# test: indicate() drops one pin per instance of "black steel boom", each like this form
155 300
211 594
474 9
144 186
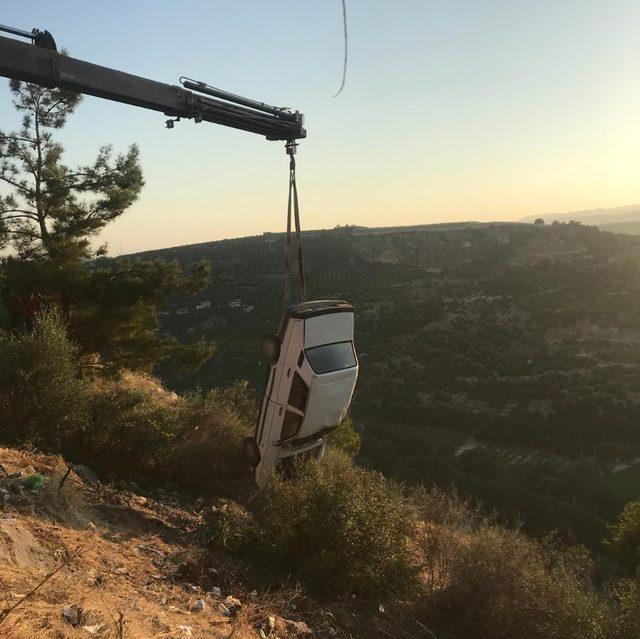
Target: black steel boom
47 67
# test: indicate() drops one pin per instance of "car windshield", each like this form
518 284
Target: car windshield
331 357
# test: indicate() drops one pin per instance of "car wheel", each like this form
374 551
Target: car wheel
251 451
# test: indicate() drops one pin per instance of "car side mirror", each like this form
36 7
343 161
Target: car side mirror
270 346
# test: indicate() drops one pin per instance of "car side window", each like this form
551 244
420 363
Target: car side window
299 393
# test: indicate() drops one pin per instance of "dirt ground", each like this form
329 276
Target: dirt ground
119 557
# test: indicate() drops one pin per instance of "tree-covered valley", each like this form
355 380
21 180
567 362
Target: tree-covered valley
501 359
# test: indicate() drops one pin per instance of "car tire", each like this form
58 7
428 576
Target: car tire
251 451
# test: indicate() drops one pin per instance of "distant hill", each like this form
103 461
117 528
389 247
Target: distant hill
621 219
501 358
630 228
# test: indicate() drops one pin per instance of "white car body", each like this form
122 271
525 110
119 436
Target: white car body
309 386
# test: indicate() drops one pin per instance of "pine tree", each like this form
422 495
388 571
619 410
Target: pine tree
52 210
50 215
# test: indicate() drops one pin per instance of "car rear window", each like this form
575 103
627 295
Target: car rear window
331 357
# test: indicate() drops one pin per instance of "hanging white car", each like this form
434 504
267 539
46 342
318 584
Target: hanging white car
310 382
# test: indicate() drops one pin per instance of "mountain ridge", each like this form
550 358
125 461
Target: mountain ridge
597 216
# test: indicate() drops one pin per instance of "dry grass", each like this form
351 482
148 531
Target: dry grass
137 381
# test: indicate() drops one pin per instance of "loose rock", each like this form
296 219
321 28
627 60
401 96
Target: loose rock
232 602
72 614
199 605
298 628
86 474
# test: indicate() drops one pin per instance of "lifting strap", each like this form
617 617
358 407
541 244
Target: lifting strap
293 199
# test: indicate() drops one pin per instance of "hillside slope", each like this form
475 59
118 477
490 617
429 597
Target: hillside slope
82 559
501 358
119 552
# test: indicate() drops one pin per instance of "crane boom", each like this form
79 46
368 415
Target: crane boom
40 63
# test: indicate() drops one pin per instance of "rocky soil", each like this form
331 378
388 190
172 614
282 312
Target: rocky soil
80 559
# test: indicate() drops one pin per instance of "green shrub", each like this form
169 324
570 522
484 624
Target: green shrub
41 396
139 430
627 596
624 541
503 585
207 454
238 398
339 528
492 582
131 431
232 528
345 438
442 523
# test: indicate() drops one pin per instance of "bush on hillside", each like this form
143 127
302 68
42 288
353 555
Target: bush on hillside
41 395
626 593
131 429
139 430
345 438
494 582
624 540
339 528
207 453
238 398
442 521
230 527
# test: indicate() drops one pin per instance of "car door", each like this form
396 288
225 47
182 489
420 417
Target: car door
295 407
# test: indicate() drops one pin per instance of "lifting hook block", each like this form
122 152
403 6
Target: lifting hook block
290 147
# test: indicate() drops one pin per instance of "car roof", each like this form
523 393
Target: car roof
319 307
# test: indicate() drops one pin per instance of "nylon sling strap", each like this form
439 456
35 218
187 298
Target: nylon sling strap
292 203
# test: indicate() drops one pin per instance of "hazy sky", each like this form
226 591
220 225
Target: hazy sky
452 110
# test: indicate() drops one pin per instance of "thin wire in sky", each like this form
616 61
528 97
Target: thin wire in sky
346 40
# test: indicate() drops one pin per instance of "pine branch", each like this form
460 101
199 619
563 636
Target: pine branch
17 138
19 214
24 233
26 158
15 185
53 106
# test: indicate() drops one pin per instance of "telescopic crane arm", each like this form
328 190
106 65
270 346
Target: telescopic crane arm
40 63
